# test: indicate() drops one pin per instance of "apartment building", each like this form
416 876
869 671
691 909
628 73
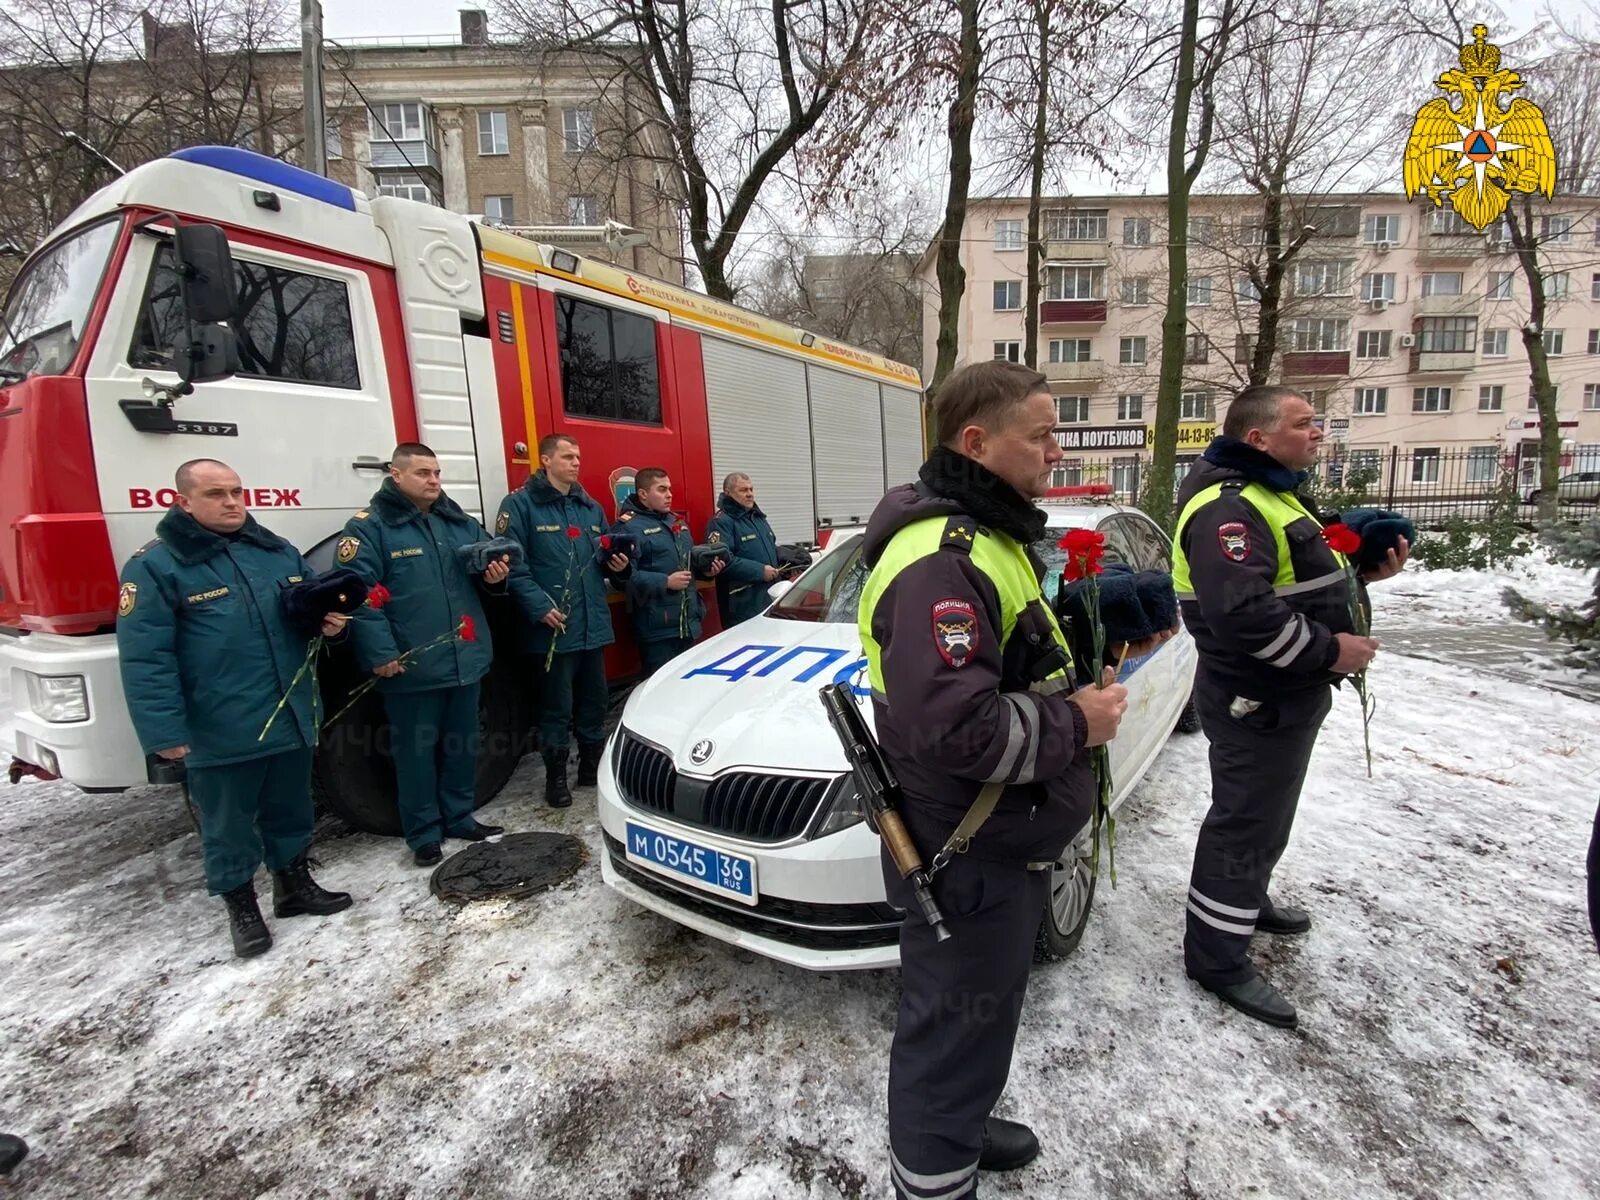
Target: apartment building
1402 324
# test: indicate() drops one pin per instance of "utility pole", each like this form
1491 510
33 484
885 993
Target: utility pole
315 156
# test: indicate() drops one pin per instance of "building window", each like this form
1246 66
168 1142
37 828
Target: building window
577 129
1008 235
1321 333
1377 286
1500 284
1136 291
1202 231
608 362
1591 397
1496 343
492 135
1072 410
1448 221
1070 350
1372 401
1131 408
1557 286
1132 351
1076 225
1533 397
1195 406
1008 352
1244 348
1372 343
1075 283
1200 290
583 210
1555 229
1441 283
1380 229
398 122
1252 232
1248 292
1483 464
1555 341
1326 278
1136 231
1448 335
406 187
1425 464
1196 348
1125 475
1594 286
1491 398
1594 341
1008 295
497 210
1430 400
333 142
1068 473
1366 462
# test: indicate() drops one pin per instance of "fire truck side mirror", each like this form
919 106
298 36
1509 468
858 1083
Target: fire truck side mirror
205 269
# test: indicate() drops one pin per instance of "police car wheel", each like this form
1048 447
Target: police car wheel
1066 914
1189 718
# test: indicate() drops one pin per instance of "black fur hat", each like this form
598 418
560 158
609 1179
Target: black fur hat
340 590
477 556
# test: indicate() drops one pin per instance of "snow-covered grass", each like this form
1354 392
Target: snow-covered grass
1459 598
571 1045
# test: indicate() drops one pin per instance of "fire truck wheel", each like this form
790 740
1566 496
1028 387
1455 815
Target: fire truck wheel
354 774
1071 895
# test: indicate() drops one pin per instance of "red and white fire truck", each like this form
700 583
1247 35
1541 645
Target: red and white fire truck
363 322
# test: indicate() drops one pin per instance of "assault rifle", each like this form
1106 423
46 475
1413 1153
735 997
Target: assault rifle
880 793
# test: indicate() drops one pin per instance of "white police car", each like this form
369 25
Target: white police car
725 800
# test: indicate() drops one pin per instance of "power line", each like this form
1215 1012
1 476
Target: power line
382 124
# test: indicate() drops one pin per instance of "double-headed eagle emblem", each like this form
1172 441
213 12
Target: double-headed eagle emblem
1476 145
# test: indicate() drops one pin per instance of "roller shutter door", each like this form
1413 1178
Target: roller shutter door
902 435
847 441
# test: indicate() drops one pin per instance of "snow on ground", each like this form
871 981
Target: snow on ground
1462 598
572 1045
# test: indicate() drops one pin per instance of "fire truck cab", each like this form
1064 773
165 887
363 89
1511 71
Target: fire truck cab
361 323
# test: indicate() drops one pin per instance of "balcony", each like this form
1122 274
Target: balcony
1450 247
1434 362
1449 306
1307 363
393 156
1074 371
1076 251
1072 312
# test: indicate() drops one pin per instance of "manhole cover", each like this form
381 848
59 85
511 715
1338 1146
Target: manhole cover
519 864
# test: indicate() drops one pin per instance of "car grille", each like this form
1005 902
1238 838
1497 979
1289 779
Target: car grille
812 926
748 805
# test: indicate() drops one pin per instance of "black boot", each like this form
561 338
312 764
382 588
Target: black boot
1257 998
556 792
589 763
296 894
1282 920
12 1151
1007 1145
250 934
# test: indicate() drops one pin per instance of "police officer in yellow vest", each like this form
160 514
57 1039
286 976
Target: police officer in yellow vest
1269 607
965 665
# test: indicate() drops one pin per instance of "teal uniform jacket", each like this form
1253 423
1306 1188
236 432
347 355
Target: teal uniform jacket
742 586
413 554
560 571
204 647
659 612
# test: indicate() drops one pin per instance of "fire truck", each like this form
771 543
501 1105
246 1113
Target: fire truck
354 324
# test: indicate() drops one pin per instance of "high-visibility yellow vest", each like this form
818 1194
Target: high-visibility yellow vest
1279 510
1000 558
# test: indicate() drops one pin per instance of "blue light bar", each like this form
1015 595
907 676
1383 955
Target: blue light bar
270 172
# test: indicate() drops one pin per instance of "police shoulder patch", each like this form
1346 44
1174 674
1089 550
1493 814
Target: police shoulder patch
502 522
959 533
347 548
361 515
127 598
1234 539
955 631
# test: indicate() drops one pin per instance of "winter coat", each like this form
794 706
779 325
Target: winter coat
204 647
742 585
659 612
560 571
413 554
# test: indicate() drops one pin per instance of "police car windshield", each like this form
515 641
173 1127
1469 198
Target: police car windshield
50 303
829 591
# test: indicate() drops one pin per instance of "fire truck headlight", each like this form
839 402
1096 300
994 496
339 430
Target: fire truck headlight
59 699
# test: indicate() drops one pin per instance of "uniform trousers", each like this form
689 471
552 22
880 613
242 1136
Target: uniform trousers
960 1004
655 655
1258 765
435 753
251 811
574 694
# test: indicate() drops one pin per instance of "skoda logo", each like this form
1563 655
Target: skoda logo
701 751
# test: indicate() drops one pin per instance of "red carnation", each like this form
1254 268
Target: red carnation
574 532
605 541
1085 548
378 596
1341 538
468 629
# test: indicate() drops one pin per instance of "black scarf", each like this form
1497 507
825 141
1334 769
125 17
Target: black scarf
982 494
1255 465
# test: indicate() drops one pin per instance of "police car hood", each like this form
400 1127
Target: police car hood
752 692
899 507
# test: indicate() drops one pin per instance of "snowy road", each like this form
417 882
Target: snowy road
574 1046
